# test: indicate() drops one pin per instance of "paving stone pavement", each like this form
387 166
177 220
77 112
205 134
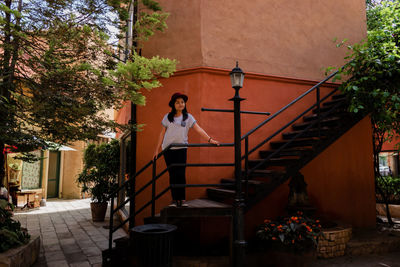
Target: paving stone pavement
68 236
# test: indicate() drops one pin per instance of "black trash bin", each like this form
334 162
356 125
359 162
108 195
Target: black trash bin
153 244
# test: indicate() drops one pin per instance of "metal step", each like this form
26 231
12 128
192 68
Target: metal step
270 174
339 96
301 142
272 162
329 122
325 131
313 117
198 208
334 102
220 195
297 151
323 109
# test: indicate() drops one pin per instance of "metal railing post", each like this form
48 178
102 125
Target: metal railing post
132 196
246 165
110 233
153 189
319 111
239 243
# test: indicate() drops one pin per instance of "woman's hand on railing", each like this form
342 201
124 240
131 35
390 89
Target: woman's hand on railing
214 142
155 154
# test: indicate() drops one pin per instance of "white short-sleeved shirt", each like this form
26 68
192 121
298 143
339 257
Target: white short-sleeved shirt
177 132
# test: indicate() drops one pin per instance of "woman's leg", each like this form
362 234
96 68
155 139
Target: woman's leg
169 157
181 156
176 174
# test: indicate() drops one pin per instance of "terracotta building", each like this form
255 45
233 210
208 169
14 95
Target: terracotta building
284 48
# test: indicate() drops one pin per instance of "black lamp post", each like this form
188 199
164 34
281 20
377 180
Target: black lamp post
238 246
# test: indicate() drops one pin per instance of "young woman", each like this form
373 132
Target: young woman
176 125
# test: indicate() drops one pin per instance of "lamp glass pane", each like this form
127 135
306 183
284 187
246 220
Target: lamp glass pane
236 80
241 79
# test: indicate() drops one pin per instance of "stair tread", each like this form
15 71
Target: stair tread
200 207
201 203
330 119
323 109
273 159
252 182
334 101
287 152
266 173
227 191
324 128
315 116
299 140
337 96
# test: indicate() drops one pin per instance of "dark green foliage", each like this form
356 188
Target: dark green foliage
11 233
373 71
100 171
391 188
59 71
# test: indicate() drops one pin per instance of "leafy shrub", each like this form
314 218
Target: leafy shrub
11 233
294 232
100 171
391 187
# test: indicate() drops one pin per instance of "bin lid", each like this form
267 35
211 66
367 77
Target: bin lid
155 228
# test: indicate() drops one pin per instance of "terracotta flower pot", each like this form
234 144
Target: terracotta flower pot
98 211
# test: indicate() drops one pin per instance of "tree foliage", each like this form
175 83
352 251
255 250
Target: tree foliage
373 71
59 71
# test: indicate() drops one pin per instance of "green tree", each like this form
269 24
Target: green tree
58 70
373 68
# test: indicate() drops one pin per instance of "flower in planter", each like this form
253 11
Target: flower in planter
294 232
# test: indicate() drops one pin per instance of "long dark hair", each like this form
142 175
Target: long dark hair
173 112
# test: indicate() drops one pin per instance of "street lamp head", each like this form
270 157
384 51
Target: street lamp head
237 77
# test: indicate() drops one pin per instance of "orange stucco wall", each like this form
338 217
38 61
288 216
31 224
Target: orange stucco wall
211 88
283 38
392 145
272 40
340 183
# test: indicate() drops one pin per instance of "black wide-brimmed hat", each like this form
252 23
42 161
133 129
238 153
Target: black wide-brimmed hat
175 96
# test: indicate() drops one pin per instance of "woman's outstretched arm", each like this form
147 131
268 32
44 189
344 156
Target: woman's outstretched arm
160 139
203 134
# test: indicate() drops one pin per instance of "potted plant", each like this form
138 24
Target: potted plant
99 175
289 241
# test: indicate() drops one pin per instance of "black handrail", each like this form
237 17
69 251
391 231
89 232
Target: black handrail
152 182
288 105
247 173
277 151
286 125
113 194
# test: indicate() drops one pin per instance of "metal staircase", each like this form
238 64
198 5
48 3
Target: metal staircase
302 139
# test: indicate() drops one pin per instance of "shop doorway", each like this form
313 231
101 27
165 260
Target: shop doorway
53 179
